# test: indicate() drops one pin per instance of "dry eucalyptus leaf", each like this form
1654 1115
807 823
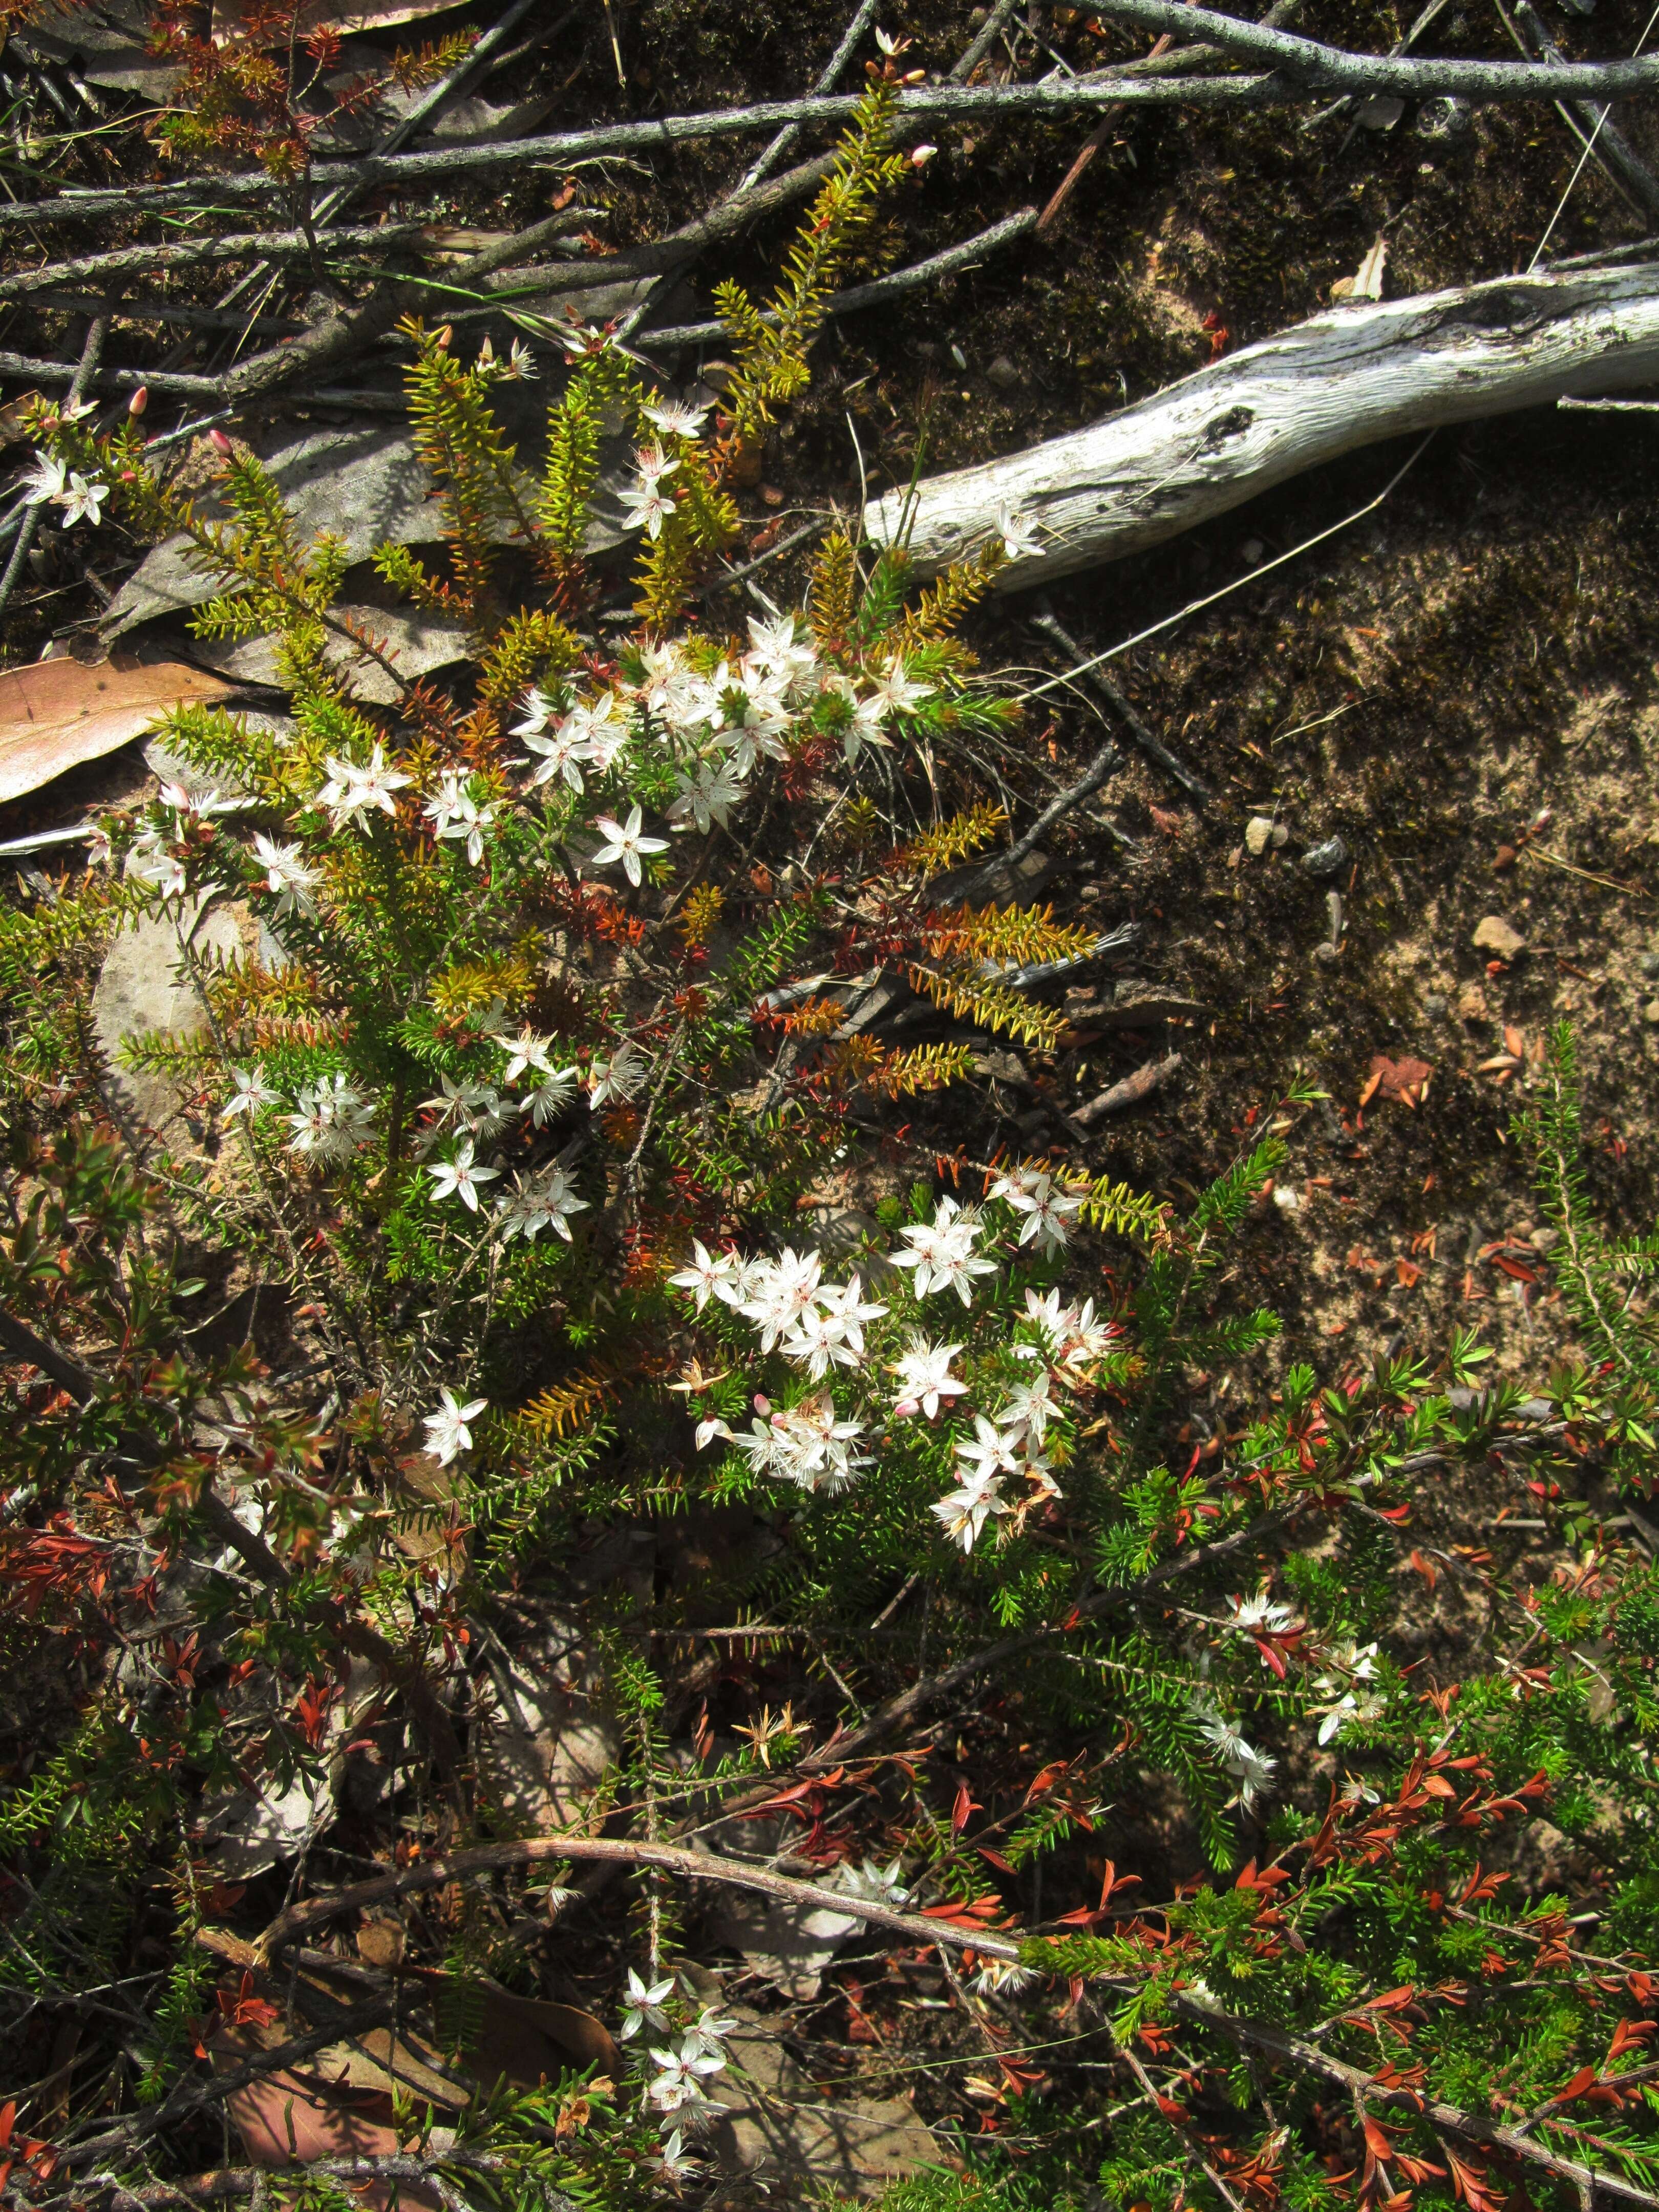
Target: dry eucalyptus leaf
56 714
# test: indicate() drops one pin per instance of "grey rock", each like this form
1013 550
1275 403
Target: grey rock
1003 374
1379 114
415 644
1649 965
108 42
1327 856
1435 1004
142 989
772 2120
361 482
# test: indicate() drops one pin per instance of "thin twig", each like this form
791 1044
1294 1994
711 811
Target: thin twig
619 1851
948 264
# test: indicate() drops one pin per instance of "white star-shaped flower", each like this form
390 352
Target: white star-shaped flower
287 875
352 790
1018 535
675 418
618 1077
461 1177
989 1453
84 500
447 1435
925 1377
895 692
46 482
252 1092
623 842
942 1252
642 2007
963 1513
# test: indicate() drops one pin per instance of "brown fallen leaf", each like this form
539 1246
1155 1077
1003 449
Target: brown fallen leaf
55 715
286 2118
1514 1043
1404 1080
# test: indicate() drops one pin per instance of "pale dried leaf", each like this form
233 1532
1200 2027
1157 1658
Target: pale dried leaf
56 714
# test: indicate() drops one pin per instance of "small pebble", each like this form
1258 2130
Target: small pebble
1325 858
1281 837
1434 1005
1252 552
1649 963
1650 1013
1287 1198
1325 955
1496 936
1003 374
1472 1002
1258 834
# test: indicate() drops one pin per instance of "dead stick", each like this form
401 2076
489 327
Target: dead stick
667 1858
1133 1091
1336 69
1153 746
191 254
954 258
1448 2119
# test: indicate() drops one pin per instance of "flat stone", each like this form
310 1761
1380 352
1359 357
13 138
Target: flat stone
141 990
772 2120
415 644
1258 834
1500 938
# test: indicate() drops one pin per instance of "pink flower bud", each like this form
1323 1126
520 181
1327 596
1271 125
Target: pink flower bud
921 155
138 402
219 439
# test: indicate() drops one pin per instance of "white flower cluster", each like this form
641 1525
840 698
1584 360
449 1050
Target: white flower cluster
717 724
50 483
819 1326
675 2089
1251 1769
330 1117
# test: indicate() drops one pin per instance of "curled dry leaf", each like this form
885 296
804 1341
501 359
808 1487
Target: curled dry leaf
56 714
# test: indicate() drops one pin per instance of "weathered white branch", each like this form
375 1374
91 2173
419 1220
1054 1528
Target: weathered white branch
1345 378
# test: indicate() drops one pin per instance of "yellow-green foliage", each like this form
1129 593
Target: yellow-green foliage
973 997
771 355
1020 933
950 841
832 597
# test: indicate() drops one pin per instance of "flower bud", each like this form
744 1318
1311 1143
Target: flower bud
138 402
921 155
218 438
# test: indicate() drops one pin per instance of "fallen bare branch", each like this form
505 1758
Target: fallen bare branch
617 1850
1098 680
1332 69
947 264
1344 379
1447 2119
196 252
